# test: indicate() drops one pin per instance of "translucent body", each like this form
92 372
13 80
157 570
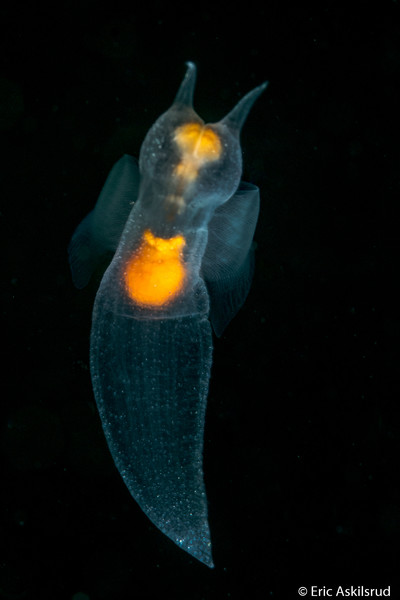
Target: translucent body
181 228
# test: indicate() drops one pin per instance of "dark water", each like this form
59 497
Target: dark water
303 432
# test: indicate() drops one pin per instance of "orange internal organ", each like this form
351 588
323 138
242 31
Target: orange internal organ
198 144
156 274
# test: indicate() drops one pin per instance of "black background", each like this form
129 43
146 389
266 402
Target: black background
302 433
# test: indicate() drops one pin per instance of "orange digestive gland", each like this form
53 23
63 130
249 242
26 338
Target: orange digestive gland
156 273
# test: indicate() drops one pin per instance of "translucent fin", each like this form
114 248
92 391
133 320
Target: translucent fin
99 232
227 266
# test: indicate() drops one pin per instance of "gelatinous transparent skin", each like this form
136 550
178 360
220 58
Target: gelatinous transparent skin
181 229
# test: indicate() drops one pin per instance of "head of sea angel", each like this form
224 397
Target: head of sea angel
187 166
